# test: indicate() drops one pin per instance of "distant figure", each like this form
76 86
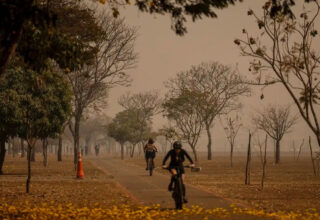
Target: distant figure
150 151
97 148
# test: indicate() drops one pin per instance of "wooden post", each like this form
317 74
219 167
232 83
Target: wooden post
247 180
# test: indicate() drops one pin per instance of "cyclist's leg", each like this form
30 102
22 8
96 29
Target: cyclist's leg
173 178
184 188
146 156
153 156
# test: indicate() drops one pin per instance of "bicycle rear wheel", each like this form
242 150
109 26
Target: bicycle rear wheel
150 166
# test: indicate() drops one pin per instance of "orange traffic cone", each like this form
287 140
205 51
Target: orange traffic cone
80 173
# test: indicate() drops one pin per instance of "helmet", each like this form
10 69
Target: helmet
177 145
150 141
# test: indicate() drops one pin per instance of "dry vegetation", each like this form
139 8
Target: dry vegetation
289 186
57 183
57 194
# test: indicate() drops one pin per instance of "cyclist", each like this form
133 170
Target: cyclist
177 157
150 151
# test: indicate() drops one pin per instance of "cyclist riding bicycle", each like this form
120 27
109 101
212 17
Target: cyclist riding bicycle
177 157
150 151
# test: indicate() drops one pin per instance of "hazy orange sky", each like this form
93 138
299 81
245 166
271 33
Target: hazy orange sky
162 54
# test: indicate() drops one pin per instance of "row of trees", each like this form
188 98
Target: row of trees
134 124
195 99
282 53
60 73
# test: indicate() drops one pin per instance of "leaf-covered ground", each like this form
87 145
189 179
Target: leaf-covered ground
57 194
289 186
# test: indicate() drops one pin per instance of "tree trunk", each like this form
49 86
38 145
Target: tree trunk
300 149
2 153
194 153
31 145
76 140
60 148
122 151
247 179
209 142
277 159
264 164
14 147
9 146
318 139
231 154
312 160
132 151
22 147
33 154
45 152
29 169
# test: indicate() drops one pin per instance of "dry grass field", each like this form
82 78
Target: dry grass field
289 186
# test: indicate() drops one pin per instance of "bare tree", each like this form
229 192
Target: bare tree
215 87
231 129
276 121
285 52
115 54
143 107
186 117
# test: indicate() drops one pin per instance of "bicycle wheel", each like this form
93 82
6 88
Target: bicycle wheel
178 193
150 166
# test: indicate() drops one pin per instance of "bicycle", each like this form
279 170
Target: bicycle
150 165
177 193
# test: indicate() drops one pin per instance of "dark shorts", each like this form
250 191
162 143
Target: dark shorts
150 154
181 168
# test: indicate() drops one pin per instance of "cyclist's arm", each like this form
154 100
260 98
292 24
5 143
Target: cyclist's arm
165 158
189 158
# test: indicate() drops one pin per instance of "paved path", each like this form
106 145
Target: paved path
150 190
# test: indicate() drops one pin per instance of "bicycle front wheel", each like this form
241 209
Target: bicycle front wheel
179 193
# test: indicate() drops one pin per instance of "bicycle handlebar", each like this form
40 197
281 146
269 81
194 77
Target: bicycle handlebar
185 166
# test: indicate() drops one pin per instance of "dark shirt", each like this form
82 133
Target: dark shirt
176 159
